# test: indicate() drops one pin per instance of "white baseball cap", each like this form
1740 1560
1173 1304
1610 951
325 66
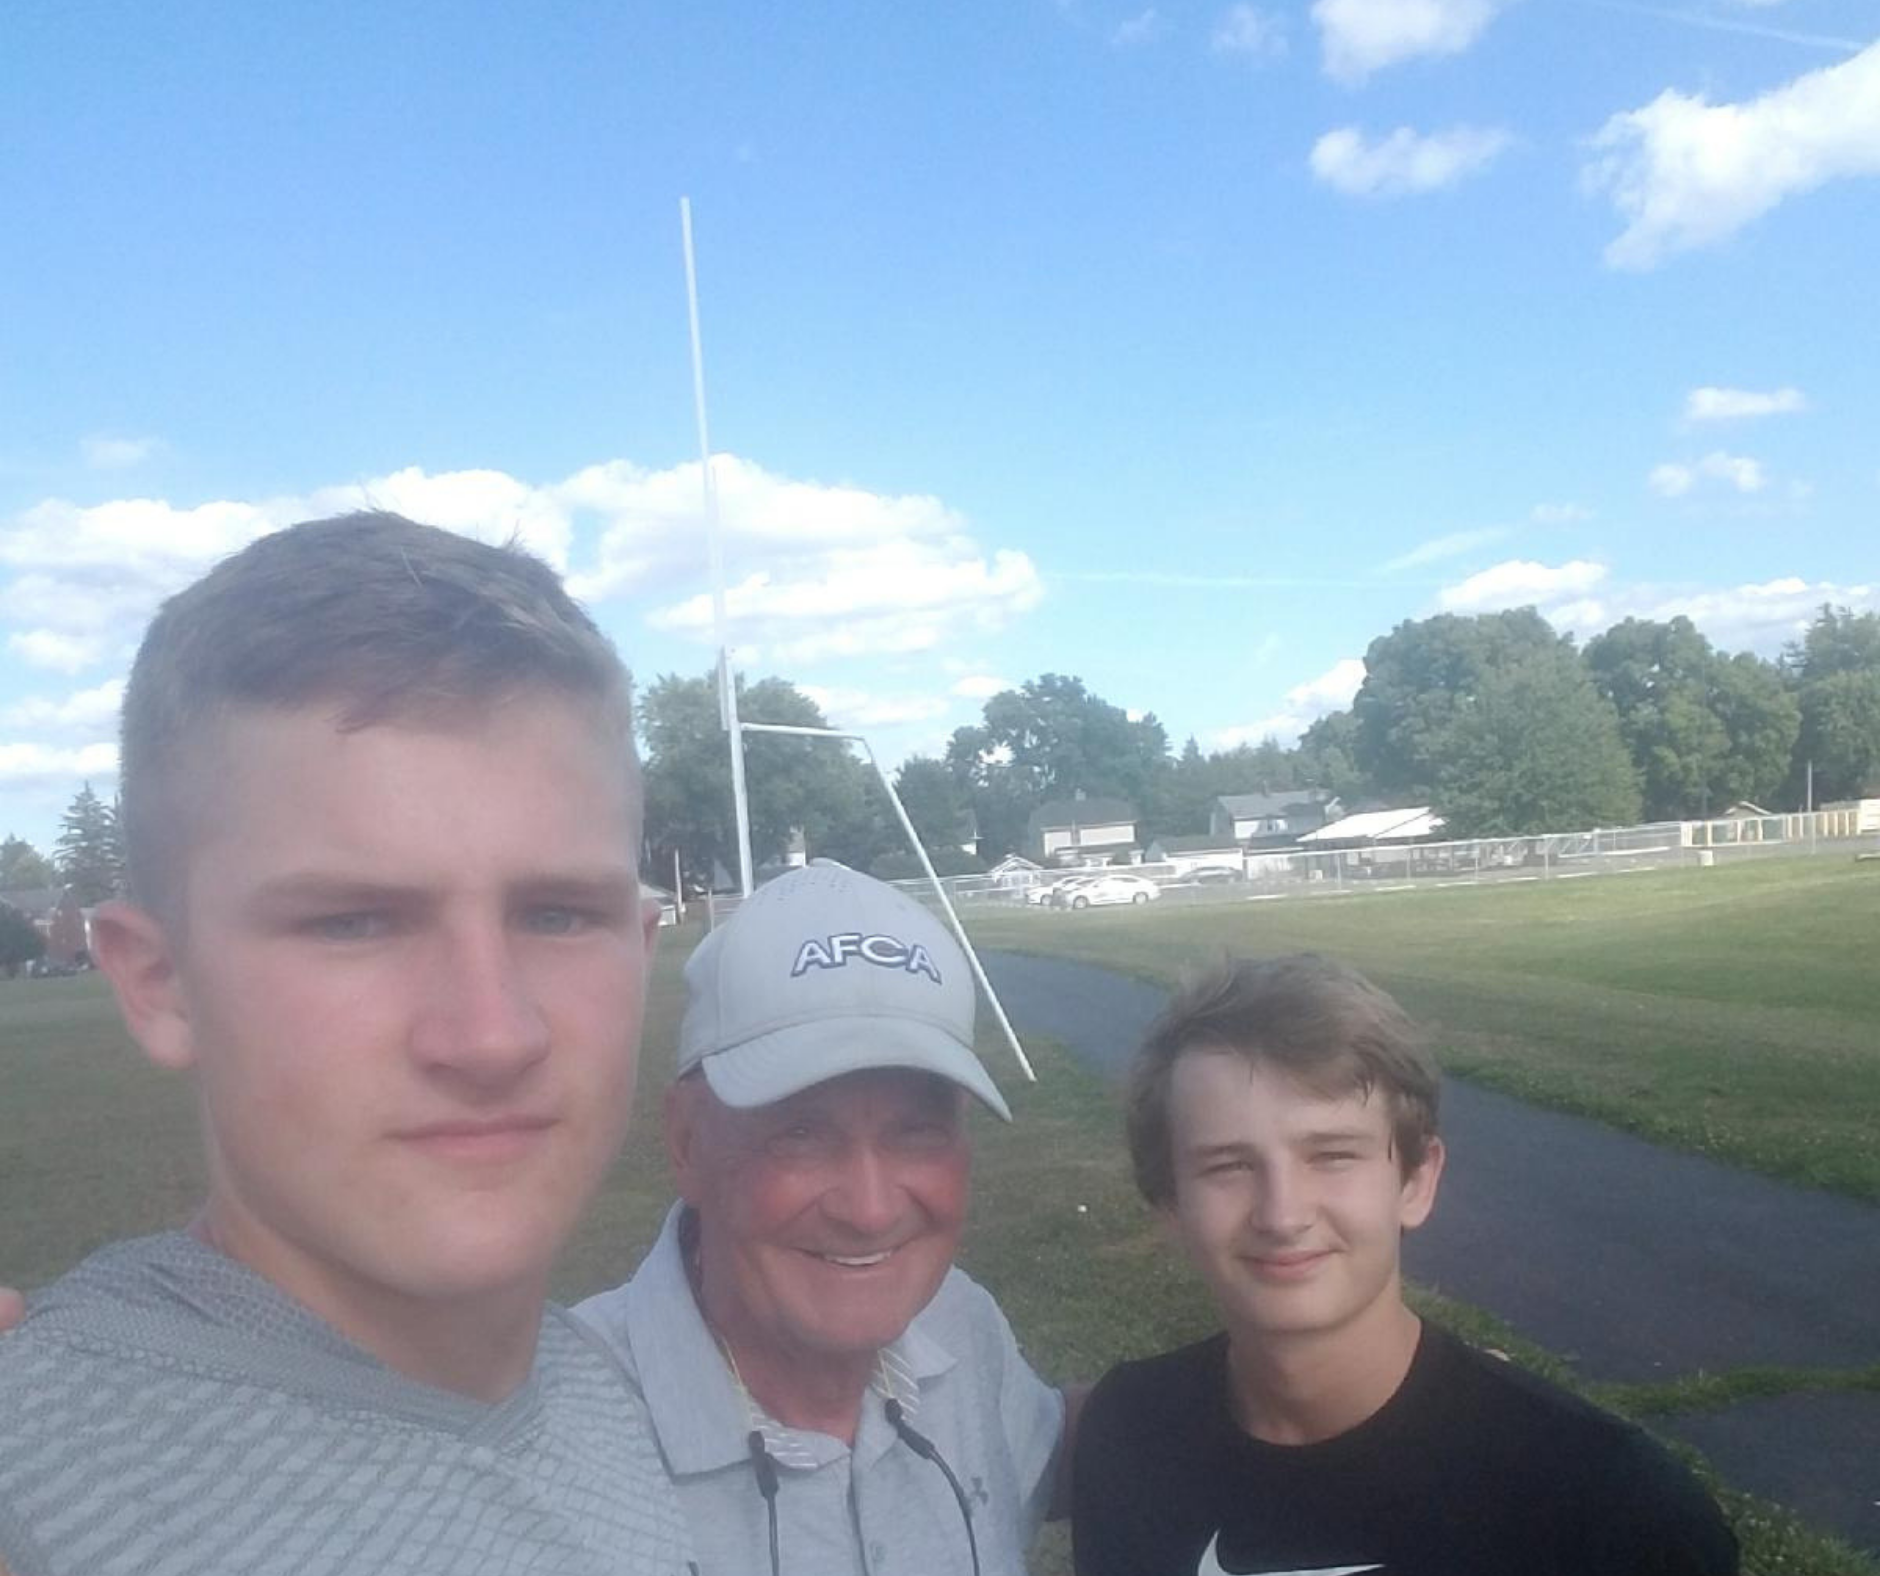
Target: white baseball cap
822 972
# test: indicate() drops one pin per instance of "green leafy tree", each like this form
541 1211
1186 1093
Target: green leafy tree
1047 739
1326 757
939 807
1838 641
1836 671
1703 729
1183 794
90 859
813 785
1535 749
23 868
1840 736
1423 677
20 941
1763 721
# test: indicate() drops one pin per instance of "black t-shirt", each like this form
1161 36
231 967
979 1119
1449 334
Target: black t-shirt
1473 1468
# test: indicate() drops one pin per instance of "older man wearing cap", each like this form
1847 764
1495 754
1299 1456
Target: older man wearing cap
830 1394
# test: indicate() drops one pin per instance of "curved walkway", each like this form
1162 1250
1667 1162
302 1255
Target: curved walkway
1635 1263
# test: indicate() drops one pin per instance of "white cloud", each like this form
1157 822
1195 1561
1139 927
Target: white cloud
106 453
1143 28
1760 617
26 765
1714 404
1406 161
895 596
980 686
1362 36
1521 582
1580 598
1671 481
1733 470
90 711
46 648
1559 513
1248 30
1302 706
1685 173
857 711
845 569
1439 548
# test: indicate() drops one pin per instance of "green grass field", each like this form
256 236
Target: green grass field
1734 1011
1730 990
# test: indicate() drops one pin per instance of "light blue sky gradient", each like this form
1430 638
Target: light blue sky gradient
1049 335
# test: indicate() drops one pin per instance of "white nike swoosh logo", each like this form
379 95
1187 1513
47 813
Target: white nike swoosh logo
1211 1566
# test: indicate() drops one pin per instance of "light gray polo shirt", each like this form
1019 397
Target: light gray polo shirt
876 1508
165 1411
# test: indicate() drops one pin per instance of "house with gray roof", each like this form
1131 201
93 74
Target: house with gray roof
1082 831
1272 820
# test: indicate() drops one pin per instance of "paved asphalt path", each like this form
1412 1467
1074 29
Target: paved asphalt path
1634 1262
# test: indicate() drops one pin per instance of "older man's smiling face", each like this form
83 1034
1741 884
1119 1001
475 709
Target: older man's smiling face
826 1221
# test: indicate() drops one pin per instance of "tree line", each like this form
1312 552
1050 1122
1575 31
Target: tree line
1501 723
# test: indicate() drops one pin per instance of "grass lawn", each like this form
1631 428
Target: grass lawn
95 1145
1734 1011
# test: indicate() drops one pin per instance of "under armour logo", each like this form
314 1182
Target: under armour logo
885 952
979 1491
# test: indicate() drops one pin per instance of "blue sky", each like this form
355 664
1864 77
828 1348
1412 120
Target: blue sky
1186 348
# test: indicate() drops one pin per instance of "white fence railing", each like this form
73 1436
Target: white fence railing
1377 867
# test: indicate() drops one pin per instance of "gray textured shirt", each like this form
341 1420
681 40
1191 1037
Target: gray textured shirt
871 1509
164 1411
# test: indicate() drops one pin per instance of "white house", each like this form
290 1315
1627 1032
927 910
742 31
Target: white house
1271 819
1082 832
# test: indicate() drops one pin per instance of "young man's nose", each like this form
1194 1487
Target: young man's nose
480 1019
1281 1205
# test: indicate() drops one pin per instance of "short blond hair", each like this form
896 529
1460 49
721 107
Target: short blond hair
371 613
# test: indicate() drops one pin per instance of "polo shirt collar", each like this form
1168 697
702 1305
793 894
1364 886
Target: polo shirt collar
698 1408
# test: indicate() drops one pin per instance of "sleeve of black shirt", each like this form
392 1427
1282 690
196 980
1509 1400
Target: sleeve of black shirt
1659 1519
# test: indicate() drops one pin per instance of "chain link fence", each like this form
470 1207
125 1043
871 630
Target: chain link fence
1297 872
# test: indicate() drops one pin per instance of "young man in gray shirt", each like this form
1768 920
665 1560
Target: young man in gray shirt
382 822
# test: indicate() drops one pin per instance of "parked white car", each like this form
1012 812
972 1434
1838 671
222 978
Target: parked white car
1101 890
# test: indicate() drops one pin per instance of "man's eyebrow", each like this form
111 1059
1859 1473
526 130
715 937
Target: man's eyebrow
611 883
310 889
1341 1135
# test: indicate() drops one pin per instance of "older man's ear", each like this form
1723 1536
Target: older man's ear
12 1310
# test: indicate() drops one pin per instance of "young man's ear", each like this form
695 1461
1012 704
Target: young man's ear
132 948
1419 1187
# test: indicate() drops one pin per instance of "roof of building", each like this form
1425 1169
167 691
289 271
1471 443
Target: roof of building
1012 864
1057 813
1378 826
1244 806
33 902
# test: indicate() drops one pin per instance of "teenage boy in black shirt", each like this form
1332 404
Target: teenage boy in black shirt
1282 1118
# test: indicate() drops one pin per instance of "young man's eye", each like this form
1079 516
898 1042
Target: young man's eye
1335 1157
365 925
551 921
